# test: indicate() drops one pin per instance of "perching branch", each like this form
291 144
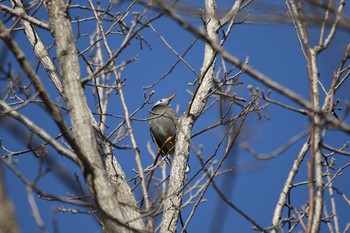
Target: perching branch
174 192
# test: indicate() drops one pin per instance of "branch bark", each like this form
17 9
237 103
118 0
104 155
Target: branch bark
287 186
295 97
38 46
114 171
81 120
172 203
315 144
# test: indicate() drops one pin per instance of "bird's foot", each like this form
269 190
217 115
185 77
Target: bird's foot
168 140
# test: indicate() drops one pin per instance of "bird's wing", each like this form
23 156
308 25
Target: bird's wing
154 138
158 143
171 113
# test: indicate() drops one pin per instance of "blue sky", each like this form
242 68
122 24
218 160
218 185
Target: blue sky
272 49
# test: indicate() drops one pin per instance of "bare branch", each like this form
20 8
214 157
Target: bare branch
22 15
174 193
82 124
7 110
287 187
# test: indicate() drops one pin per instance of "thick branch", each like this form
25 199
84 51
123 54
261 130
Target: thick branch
115 173
129 213
38 46
25 17
82 124
295 97
172 204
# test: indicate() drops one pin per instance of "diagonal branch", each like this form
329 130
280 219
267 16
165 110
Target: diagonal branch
125 108
81 120
38 46
287 187
24 16
7 110
295 97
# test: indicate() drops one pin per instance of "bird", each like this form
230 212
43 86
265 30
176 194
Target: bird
163 127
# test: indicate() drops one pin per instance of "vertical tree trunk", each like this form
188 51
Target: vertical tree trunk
172 204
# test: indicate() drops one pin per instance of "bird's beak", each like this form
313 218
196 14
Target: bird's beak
171 97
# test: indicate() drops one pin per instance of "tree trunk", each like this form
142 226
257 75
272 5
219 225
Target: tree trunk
172 204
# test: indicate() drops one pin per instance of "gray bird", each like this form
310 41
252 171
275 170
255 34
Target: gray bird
163 126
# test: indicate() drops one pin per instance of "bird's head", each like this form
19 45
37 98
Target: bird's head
164 101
